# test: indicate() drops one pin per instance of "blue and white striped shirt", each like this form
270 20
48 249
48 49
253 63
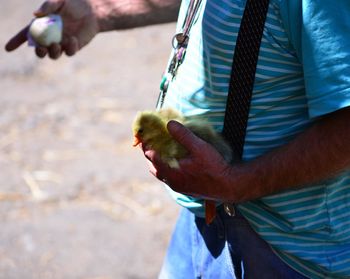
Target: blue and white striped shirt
303 72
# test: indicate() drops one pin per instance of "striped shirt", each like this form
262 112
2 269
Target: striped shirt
303 72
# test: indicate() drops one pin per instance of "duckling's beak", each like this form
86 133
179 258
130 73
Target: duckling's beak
137 140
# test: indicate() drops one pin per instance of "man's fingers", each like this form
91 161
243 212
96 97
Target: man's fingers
159 168
41 51
55 51
70 46
152 169
153 156
49 7
17 40
153 159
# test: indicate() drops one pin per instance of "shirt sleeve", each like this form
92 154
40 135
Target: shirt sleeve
320 33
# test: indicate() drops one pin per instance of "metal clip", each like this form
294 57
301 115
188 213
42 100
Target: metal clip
230 209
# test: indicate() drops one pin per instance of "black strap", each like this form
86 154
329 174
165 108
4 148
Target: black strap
243 73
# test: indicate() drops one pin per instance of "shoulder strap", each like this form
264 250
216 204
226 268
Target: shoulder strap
244 64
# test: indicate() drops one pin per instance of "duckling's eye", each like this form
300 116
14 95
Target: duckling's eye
140 131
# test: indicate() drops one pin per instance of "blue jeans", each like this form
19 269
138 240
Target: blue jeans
227 248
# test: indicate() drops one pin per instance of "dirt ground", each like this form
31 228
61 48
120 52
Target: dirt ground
76 199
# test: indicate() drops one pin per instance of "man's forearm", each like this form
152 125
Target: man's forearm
319 153
124 14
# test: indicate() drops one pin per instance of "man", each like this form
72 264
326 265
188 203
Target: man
293 185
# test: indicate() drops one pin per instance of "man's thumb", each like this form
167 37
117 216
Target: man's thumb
183 135
49 7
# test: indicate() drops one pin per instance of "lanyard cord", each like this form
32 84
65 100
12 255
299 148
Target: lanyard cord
179 43
190 15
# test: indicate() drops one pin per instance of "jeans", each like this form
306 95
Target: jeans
227 248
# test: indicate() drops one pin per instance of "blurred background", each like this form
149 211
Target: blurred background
76 199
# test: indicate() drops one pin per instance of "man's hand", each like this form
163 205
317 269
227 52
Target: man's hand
204 173
80 25
320 152
83 19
